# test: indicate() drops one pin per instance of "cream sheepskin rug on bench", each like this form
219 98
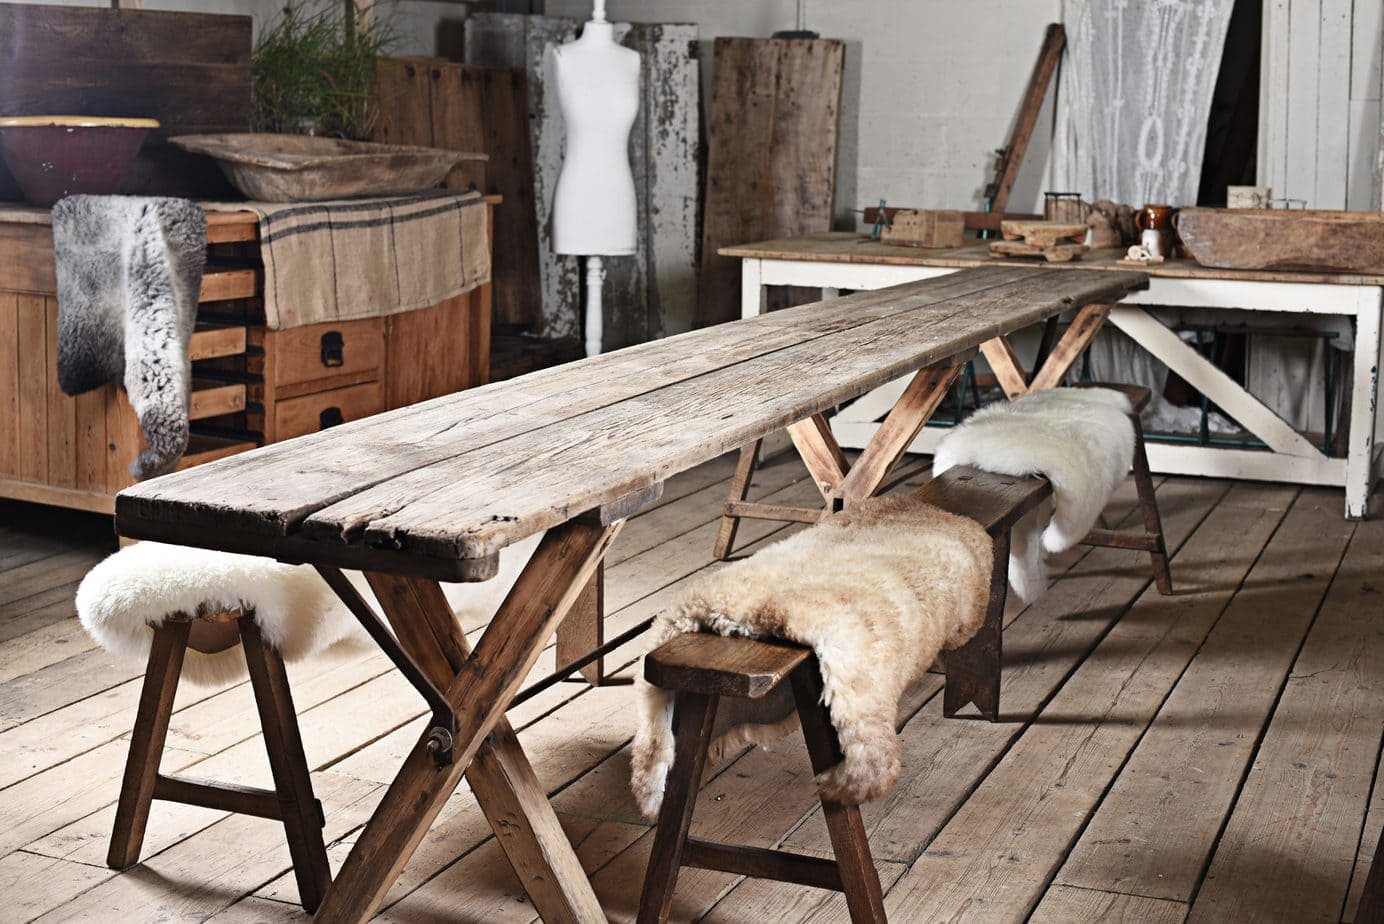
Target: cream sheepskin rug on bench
1080 439
875 591
124 598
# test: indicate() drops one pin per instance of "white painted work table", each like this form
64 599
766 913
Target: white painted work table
834 261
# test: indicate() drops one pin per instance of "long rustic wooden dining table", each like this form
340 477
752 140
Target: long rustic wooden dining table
432 492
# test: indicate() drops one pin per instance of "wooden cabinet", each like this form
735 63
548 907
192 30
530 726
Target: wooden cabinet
251 386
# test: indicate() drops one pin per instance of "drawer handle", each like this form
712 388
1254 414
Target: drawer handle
331 417
333 349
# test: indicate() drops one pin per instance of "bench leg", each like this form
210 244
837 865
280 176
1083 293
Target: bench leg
289 765
693 717
859 879
973 670
1148 505
739 490
146 742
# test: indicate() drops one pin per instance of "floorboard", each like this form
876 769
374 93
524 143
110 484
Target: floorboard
1157 759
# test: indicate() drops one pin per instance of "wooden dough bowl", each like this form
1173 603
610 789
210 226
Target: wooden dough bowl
1261 239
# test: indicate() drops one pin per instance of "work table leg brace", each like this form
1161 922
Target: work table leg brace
479 686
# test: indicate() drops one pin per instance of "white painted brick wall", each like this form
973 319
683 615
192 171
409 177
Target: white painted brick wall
931 86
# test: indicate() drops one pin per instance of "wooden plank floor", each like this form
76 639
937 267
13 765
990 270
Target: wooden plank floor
1211 755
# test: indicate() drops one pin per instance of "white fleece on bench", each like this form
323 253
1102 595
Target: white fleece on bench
1080 439
124 598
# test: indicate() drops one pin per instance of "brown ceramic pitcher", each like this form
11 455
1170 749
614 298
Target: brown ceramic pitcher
1159 220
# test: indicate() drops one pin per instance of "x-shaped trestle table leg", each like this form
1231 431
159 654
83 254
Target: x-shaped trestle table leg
841 484
478 686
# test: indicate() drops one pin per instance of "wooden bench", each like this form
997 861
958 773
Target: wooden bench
290 802
700 669
433 492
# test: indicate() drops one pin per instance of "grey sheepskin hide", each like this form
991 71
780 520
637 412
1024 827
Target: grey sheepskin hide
129 278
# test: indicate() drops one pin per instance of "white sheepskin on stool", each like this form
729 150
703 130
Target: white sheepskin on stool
124 598
875 591
1080 439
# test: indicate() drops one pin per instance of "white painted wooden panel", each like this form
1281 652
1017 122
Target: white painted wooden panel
1273 94
1319 100
1333 106
1299 179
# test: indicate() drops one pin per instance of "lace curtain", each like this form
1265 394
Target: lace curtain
1135 96
1132 110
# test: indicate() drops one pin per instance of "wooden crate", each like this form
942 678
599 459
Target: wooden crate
926 228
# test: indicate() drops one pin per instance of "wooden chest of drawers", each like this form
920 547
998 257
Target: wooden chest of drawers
252 385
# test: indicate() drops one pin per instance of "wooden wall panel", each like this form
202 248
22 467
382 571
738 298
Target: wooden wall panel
771 153
125 440
91 440
62 413
191 71
9 385
33 388
1319 104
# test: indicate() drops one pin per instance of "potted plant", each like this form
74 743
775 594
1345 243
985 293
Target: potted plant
314 69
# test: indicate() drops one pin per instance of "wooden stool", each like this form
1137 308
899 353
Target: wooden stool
1151 539
291 801
996 502
699 669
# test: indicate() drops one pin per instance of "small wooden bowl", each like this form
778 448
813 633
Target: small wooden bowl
56 156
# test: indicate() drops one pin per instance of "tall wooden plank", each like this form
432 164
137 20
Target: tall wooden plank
9 385
1332 137
504 102
1304 36
1273 96
672 97
404 90
62 413
33 388
771 153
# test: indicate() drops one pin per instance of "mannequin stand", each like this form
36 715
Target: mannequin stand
595 316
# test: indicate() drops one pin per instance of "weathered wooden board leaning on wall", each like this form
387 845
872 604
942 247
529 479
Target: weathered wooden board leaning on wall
771 158
655 292
191 71
442 104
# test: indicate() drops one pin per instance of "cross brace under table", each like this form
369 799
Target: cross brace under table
842 484
469 692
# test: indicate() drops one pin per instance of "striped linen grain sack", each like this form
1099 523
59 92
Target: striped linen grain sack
365 258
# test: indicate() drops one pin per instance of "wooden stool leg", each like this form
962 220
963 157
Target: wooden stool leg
859 879
973 670
302 821
739 490
693 716
1148 505
146 742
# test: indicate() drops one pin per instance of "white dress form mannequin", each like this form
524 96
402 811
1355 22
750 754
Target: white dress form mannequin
594 206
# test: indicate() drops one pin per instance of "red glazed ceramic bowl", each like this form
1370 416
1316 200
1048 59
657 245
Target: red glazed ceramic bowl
56 156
